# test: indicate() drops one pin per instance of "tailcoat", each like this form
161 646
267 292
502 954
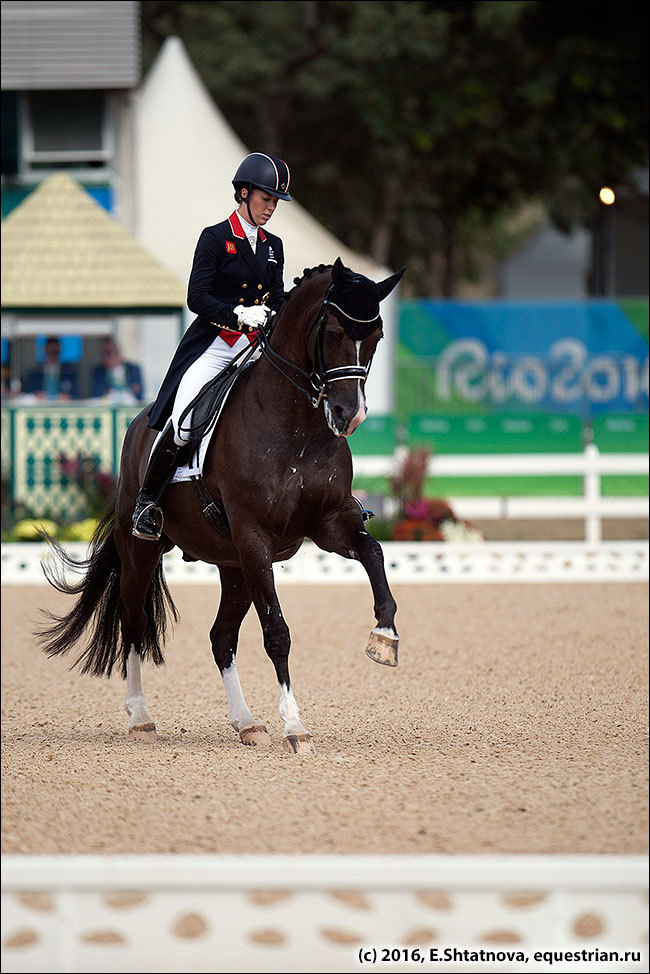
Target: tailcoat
225 273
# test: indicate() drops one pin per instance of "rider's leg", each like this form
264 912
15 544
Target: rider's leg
215 358
148 516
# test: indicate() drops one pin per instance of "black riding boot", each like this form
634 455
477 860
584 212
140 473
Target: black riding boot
148 518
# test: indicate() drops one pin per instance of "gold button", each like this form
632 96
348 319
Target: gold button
244 285
241 300
256 301
259 287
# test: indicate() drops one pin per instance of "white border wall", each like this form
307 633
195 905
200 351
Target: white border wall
419 562
322 913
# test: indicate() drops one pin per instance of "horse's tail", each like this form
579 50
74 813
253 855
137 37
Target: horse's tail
98 606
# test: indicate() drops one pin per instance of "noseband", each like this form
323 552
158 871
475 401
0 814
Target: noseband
319 378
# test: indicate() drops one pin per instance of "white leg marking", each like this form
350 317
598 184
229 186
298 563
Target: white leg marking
240 715
134 703
288 710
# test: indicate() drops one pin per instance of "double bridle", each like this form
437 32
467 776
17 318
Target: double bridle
319 378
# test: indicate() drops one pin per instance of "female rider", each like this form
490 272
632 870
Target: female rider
235 283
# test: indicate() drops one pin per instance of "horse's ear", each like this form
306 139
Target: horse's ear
385 287
337 269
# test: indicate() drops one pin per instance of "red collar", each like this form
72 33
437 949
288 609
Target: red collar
238 230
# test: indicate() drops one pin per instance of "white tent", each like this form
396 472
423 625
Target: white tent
186 155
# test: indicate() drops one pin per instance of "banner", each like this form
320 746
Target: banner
572 357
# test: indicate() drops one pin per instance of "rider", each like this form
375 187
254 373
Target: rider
235 284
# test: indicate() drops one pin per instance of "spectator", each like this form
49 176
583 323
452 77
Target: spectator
114 378
53 379
10 387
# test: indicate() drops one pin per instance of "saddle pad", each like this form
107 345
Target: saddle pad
194 467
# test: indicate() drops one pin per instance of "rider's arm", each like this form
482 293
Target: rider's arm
205 270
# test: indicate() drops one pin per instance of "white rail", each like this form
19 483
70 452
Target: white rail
311 913
590 465
419 562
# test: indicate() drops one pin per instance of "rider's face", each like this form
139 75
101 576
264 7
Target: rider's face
262 206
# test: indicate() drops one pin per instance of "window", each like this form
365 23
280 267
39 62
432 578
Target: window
65 130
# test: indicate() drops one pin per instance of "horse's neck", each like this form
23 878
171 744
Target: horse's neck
273 382
295 322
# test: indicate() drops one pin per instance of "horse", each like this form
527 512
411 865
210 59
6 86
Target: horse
280 469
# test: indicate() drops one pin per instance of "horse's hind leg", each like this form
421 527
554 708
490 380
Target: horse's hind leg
141 726
135 580
235 603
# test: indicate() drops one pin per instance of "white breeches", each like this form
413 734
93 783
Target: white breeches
213 360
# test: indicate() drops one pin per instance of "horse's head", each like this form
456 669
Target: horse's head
345 343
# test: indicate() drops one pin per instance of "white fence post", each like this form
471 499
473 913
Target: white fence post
593 531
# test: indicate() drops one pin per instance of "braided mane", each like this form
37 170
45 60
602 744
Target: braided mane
306 274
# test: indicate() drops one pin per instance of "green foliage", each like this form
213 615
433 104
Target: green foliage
414 129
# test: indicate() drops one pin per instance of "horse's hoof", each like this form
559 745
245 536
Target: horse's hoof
143 732
255 736
382 648
298 744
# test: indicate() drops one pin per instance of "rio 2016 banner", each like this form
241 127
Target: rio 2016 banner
582 357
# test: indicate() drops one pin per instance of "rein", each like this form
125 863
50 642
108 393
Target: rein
320 377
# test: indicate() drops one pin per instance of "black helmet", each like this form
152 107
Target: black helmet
264 172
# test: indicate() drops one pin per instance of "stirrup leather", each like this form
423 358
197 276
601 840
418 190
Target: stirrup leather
154 521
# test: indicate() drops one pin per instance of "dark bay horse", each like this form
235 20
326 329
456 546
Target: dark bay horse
280 465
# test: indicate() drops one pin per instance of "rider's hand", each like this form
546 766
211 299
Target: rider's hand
255 316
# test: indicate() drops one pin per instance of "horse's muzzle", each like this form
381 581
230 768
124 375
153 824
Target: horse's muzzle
342 420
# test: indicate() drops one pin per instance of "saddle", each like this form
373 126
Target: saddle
206 409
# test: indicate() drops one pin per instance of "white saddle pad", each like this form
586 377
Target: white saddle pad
195 468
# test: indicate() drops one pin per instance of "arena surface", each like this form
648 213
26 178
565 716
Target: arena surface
515 723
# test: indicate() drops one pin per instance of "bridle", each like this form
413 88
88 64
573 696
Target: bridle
319 378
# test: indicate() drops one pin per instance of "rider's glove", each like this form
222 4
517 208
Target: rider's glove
255 316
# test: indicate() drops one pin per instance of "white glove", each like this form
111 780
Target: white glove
255 316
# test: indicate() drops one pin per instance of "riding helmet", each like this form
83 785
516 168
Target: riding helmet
265 172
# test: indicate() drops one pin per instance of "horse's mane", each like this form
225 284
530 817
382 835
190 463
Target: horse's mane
306 274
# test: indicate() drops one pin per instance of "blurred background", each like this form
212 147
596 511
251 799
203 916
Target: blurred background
497 150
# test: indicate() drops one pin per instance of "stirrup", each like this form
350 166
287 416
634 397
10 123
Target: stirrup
365 514
155 514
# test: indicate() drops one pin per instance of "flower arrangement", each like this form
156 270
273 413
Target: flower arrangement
422 518
96 486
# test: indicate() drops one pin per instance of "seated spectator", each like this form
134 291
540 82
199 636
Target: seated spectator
10 387
53 379
114 378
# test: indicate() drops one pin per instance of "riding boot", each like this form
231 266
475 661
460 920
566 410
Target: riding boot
148 519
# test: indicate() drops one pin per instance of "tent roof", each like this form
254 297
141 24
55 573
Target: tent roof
187 154
62 251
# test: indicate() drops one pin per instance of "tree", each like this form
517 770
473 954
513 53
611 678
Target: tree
414 127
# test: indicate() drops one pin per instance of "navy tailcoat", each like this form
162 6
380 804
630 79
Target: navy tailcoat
225 273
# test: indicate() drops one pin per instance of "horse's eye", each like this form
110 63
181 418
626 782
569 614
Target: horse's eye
334 337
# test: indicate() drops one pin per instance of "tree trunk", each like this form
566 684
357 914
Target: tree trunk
449 256
382 232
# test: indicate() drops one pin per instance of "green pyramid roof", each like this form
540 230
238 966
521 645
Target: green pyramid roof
62 251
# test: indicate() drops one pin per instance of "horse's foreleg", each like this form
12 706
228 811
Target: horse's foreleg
235 603
258 571
350 539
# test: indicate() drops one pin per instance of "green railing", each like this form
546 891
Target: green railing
35 438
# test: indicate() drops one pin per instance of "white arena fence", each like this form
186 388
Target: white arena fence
418 562
324 913
590 465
